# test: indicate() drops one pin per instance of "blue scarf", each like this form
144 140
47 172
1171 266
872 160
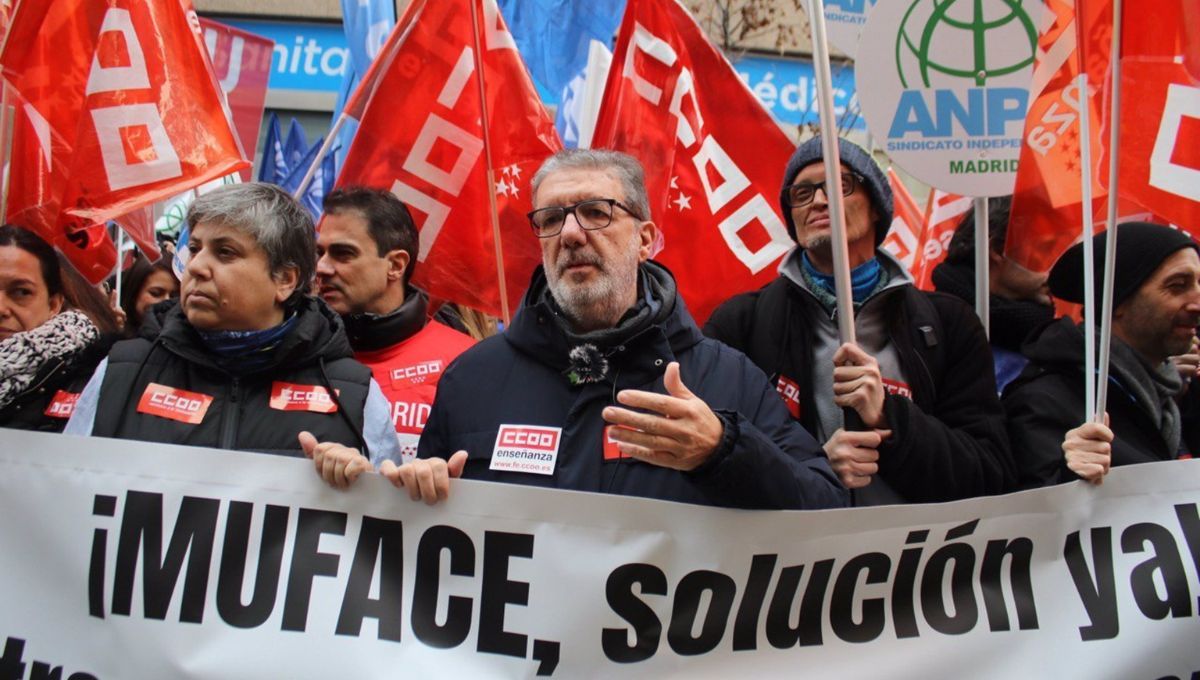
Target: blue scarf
246 351
863 278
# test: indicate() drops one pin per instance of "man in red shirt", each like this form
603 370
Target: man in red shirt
367 249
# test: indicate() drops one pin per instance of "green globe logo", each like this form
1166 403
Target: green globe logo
952 37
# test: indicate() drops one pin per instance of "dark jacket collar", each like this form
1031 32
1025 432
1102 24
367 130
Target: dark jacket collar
318 334
1012 320
660 318
371 332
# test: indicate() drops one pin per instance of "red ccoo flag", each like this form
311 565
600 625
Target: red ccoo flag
908 225
117 107
945 214
1160 125
713 156
421 136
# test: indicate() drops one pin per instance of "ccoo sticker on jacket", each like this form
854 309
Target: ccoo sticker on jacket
174 404
526 448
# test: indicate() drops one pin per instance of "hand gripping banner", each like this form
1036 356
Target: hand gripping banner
132 560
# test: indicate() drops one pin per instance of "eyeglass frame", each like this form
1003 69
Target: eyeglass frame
858 180
570 210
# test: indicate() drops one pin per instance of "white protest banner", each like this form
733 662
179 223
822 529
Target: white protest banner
945 87
131 560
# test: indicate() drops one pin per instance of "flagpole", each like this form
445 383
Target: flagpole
1089 264
321 153
120 259
5 147
1110 244
487 153
833 175
982 265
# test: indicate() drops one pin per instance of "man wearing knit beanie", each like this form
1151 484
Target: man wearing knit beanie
1156 308
925 423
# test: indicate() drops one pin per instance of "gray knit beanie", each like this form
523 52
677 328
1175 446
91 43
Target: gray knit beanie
852 156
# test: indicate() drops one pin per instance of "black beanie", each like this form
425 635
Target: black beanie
854 157
1142 247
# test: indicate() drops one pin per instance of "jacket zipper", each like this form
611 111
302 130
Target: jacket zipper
229 422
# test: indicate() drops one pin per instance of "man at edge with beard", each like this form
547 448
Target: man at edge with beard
1156 308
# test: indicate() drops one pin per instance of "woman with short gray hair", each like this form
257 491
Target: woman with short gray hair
246 359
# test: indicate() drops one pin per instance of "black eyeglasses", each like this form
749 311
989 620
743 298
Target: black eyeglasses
592 214
804 192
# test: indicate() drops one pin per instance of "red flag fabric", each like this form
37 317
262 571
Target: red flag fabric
242 64
1045 210
945 214
432 155
713 156
118 108
1160 125
904 238
139 224
1160 103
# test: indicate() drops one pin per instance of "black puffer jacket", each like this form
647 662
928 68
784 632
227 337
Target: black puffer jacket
949 441
314 357
765 460
1046 401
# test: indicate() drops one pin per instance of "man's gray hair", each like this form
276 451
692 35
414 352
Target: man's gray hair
624 167
275 220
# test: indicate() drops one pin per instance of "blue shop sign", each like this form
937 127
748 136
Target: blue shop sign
788 90
308 57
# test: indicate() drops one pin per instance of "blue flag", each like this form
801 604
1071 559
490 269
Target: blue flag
295 146
321 184
367 24
274 168
553 37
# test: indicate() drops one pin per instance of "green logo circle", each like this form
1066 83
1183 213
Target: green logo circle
953 40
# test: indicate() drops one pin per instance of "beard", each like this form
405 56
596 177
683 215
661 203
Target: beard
821 244
599 303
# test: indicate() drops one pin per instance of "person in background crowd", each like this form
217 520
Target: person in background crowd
49 345
1019 299
1188 365
245 359
1156 308
89 299
604 383
919 379
146 284
465 320
366 254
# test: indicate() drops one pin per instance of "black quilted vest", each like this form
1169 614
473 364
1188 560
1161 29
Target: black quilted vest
240 414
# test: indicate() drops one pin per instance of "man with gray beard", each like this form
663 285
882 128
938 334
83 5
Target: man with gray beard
604 383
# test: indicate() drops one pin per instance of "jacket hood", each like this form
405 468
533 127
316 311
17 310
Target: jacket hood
897 275
541 330
371 332
318 334
1058 342
1012 320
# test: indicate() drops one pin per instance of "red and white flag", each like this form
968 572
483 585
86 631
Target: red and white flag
945 212
1160 125
242 63
713 156
421 136
117 107
908 225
